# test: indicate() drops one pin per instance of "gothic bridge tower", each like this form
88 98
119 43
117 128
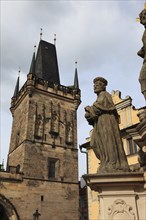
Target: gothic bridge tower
43 142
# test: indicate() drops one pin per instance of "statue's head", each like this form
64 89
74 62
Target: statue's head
99 84
142 17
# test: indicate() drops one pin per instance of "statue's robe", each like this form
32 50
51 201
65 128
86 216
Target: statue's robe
106 141
142 53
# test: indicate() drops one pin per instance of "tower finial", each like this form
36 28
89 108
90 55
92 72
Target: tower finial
41 33
76 82
34 48
76 64
55 39
19 71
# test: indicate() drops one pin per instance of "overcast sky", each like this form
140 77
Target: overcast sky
103 36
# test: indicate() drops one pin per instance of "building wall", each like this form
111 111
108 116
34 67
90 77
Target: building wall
54 200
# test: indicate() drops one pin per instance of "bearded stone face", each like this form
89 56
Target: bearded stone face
98 87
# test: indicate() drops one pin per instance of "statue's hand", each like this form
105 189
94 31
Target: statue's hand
87 108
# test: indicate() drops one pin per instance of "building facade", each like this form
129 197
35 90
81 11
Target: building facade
41 180
128 120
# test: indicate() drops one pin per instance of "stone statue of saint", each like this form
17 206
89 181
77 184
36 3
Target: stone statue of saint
142 53
106 141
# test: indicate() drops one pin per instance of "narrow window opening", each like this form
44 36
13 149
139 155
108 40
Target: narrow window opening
51 173
42 198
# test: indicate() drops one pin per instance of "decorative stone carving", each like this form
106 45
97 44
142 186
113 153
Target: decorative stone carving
69 133
120 211
55 118
54 123
39 123
39 126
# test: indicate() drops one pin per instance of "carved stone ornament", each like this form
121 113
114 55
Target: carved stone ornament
69 133
120 211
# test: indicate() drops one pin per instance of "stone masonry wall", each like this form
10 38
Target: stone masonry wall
54 201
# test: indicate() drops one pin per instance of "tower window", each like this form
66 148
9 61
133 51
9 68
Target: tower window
52 168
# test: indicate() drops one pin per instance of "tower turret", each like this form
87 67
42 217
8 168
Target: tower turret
17 86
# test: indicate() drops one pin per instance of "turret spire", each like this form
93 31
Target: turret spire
17 85
76 82
32 66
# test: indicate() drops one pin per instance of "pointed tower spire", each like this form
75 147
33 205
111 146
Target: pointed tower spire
76 82
46 64
32 66
17 85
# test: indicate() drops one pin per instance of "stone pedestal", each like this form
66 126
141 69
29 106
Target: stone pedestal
121 196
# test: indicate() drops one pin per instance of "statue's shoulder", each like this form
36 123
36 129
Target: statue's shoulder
104 95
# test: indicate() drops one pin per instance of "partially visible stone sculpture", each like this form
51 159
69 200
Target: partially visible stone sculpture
142 158
69 134
39 126
142 53
106 141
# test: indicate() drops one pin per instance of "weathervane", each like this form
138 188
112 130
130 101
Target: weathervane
41 34
76 64
19 71
34 48
54 39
